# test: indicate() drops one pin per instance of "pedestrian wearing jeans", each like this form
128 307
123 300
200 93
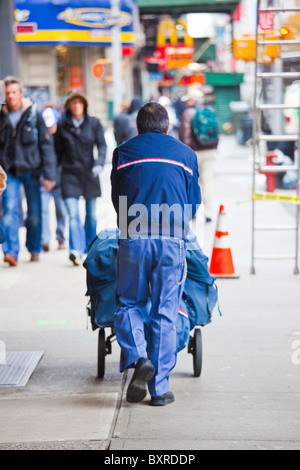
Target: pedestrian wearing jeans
27 155
3 179
77 136
157 177
51 118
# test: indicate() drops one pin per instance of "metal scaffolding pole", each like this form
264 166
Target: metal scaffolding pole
8 47
277 75
116 57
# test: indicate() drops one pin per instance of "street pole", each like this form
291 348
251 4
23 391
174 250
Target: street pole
116 58
8 47
2 93
277 121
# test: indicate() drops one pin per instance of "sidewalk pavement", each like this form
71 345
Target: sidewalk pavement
248 395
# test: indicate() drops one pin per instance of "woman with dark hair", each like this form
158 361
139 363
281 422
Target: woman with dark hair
77 136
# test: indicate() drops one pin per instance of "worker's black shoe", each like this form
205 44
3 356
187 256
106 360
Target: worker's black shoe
137 389
163 400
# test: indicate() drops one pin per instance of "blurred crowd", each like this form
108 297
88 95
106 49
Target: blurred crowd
52 155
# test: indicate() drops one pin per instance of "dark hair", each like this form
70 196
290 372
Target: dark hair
152 116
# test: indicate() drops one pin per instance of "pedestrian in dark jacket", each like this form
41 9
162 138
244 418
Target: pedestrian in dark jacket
27 155
77 136
125 123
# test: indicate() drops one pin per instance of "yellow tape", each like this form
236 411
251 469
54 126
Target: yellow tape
276 197
272 197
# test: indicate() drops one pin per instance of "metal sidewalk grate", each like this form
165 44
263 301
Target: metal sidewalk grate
18 368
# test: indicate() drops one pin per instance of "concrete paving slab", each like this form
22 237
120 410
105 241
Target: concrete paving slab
87 417
204 416
60 445
197 445
248 396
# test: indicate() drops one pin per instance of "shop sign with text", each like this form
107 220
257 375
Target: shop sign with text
72 22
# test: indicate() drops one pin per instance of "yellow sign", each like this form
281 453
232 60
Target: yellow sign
67 36
168 30
272 51
180 63
181 25
244 48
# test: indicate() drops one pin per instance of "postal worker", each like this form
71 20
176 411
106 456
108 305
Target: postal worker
155 193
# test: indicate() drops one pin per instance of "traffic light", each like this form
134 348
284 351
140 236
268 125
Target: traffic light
284 31
287 32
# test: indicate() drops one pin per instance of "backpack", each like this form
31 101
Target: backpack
205 129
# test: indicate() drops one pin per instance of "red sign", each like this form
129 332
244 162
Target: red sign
28 28
76 80
170 57
238 13
127 51
192 79
266 21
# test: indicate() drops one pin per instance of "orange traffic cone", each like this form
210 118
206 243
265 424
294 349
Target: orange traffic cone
221 260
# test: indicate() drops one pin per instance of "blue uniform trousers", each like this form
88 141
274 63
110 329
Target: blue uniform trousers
149 269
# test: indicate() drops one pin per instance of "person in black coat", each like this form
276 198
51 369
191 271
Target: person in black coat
77 136
125 123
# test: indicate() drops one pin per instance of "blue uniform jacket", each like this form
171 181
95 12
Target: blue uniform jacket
155 188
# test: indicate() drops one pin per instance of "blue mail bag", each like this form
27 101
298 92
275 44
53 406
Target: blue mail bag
199 299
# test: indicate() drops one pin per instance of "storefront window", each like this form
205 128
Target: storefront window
70 75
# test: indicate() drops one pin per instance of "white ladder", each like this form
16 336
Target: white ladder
259 137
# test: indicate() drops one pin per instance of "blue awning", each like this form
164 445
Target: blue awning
72 22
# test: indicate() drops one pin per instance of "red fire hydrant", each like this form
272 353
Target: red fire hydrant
271 175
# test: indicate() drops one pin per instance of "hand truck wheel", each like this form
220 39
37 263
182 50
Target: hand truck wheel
101 353
195 348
